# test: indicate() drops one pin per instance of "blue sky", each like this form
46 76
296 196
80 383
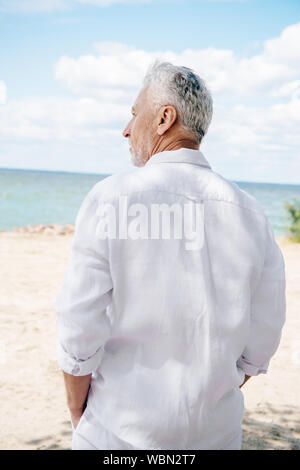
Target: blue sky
57 57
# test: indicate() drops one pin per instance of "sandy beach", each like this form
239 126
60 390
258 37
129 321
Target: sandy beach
33 407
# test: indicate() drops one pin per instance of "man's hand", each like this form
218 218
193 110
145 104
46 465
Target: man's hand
77 389
247 377
75 417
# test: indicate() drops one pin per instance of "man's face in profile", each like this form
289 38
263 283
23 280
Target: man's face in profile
140 130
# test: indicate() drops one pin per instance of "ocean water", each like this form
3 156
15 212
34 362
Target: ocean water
30 197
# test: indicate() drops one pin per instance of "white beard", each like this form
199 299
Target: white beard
136 159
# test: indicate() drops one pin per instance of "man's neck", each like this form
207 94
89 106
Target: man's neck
166 144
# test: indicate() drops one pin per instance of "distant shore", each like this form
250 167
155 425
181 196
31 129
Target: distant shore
48 229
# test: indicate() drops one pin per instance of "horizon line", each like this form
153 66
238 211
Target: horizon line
109 174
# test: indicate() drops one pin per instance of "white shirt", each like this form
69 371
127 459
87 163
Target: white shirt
167 328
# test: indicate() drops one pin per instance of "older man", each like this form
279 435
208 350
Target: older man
160 325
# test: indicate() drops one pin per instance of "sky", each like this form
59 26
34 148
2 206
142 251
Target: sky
70 71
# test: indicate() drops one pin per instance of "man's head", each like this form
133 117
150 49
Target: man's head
173 110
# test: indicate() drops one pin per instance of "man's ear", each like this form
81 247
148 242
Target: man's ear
166 118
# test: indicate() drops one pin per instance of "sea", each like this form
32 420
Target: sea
29 197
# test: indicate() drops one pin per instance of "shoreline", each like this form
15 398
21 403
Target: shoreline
68 229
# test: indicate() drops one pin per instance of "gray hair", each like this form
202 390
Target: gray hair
186 91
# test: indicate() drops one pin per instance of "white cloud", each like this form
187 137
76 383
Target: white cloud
33 5
120 67
255 128
106 3
3 92
60 119
261 134
286 47
288 90
50 5
90 75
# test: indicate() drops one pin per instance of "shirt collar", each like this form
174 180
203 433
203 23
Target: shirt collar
182 155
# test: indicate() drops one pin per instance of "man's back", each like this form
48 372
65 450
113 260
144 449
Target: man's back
172 323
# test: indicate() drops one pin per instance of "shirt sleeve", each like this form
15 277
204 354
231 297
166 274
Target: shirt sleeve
82 323
268 308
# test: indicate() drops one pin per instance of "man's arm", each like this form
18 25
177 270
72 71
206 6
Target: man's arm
268 307
77 390
82 323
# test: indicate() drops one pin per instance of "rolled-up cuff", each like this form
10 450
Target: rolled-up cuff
78 367
251 369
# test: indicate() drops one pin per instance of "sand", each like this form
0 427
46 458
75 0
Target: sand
33 407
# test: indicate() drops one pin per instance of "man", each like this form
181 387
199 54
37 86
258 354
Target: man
159 327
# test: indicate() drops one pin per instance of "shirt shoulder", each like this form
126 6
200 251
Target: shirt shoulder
229 191
183 180
128 183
